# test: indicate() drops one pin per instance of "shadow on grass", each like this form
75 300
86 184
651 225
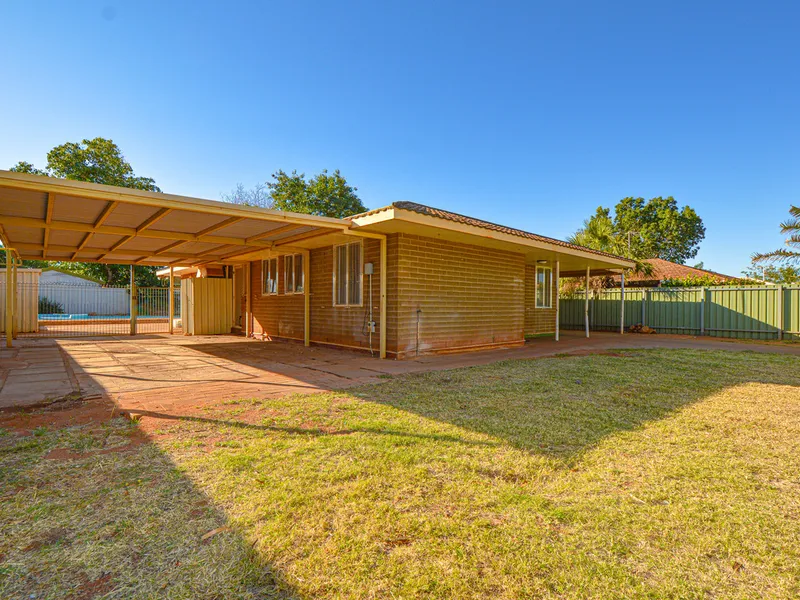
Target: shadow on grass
565 405
92 507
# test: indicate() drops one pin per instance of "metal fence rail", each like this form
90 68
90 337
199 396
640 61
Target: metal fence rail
755 313
76 310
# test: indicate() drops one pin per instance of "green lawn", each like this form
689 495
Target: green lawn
654 474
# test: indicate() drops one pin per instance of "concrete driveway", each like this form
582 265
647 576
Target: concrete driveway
162 372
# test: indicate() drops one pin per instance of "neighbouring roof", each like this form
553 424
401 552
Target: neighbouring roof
665 269
465 220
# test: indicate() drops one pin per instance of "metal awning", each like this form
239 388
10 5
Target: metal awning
57 219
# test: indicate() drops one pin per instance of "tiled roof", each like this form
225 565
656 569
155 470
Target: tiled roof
464 220
664 269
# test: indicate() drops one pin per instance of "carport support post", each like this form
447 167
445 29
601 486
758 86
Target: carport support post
133 304
247 324
586 303
558 299
171 299
622 303
307 298
14 306
383 276
9 317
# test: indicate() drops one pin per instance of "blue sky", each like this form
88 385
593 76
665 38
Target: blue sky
527 114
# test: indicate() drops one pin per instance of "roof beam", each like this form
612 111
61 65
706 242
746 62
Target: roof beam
51 203
154 218
26 248
218 226
304 236
106 212
129 231
273 232
81 189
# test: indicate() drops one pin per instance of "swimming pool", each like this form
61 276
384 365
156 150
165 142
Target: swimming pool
94 317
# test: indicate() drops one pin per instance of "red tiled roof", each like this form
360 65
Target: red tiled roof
664 269
465 220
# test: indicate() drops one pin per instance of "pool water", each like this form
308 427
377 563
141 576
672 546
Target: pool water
92 317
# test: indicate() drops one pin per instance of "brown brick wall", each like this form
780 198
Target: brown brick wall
470 297
538 320
281 315
278 315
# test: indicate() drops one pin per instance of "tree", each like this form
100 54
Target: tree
255 196
789 255
786 274
655 228
324 195
96 161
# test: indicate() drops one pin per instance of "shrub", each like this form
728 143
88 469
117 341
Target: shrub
49 307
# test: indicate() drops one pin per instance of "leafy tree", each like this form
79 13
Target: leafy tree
106 274
324 195
788 255
255 196
599 233
96 161
655 228
785 274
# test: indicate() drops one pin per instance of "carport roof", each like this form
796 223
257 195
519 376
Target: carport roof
57 219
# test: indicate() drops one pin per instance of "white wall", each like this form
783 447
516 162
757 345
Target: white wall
84 299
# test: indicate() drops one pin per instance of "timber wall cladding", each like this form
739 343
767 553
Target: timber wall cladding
469 297
538 320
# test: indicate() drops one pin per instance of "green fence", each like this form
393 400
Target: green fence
755 313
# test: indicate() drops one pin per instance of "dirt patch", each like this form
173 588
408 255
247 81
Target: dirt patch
587 353
137 439
48 539
67 414
92 588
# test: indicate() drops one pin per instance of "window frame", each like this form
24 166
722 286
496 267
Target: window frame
266 266
287 273
347 245
536 287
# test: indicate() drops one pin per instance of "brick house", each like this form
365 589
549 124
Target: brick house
454 284
664 270
402 280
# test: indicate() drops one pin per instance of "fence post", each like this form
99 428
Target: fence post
9 302
586 303
171 309
622 304
645 295
133 304
703 292
779 302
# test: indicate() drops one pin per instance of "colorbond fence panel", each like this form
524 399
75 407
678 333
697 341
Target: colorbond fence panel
760 313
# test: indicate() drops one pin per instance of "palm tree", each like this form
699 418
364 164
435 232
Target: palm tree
598 233
784 255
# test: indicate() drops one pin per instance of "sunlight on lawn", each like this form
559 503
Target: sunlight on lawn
658 474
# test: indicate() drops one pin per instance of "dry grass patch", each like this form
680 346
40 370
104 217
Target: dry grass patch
657 474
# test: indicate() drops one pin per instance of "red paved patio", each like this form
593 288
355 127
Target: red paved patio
162 372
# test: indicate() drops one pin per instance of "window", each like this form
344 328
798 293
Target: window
293 275
269 276
347 274
544 287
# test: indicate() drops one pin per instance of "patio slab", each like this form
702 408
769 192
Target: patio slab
169 372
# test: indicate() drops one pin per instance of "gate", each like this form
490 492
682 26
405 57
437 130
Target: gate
87 309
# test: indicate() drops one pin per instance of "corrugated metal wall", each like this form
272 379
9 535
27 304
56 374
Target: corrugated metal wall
756 313
27 303
208 305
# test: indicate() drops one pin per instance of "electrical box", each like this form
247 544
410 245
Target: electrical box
368 269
